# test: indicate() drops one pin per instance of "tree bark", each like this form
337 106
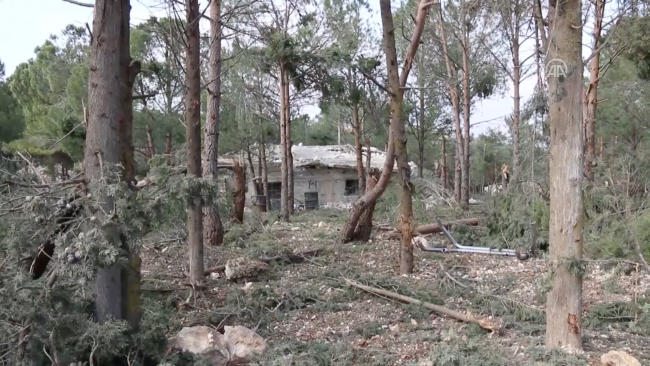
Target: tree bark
421 132
396 81
151 148
443 164
591 94
108 142
193 131
284 195
287 116
516 115
564 302
464 185
238 194
212 226
358 149
452 84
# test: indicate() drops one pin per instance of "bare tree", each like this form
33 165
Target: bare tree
452 84
212 226
564 63
193 128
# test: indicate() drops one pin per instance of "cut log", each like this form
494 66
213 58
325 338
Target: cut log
434 228
484 322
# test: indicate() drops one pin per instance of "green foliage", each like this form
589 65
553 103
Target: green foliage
508 222
51 90
12 123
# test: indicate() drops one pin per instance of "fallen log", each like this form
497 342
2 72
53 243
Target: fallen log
434 228
484 322
286 258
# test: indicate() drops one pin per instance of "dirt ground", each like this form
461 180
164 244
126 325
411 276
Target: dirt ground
310 316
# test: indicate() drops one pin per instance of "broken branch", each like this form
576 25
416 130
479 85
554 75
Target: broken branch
485 323
435 228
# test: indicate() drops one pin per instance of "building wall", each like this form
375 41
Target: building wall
328 182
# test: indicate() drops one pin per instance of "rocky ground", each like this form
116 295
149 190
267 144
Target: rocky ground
309 316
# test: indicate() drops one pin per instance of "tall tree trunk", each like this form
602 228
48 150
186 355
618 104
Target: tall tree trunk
193 132
516 115
452 84
265 170
287 116
284 195
212 227
396 82
443 164
358 149
421 132
109 142
564 301
464 185
591 94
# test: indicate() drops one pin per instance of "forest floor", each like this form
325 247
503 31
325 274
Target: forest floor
311 317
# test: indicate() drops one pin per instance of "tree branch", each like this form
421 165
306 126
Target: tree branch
86 5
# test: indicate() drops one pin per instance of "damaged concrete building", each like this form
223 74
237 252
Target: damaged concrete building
324 176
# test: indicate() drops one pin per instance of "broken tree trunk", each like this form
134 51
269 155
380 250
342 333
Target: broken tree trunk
364 229
483 322
434 228
238 194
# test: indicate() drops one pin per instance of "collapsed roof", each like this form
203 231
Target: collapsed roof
331 156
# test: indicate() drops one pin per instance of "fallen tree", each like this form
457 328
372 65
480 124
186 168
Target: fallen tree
433 228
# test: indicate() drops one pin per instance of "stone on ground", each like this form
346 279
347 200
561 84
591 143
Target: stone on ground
618 358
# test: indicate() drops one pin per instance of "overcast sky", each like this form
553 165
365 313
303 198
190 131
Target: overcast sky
26 24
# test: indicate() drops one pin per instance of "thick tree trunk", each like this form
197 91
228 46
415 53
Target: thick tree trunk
193 132
364 230
591 94
443 163
564 302
238 194
109 142
358 149
452 84
284 195
212 227
464 185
